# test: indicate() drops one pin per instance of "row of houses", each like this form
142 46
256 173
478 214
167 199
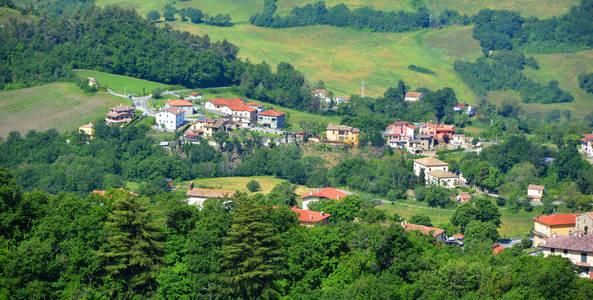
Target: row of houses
567 235
421 137
247 114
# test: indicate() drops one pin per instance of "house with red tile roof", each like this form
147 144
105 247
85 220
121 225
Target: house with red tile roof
186 106
242 114
536 192
258 107
413 96
587 144
464 197
120 115
271 118
399 134
546 226
437 233
497 248
310 218
195 96
438 132
429 164
197 196
576 248
320 194
322 95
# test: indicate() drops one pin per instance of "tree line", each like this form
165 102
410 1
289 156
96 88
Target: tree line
195 15
124 246
364 18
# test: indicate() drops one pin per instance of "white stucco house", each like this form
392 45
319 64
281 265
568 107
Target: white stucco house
170 118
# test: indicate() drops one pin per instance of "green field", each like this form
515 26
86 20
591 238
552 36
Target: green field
514 225
267 183
121 84
62 106
6 14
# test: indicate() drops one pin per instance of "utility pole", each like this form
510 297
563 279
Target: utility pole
362 90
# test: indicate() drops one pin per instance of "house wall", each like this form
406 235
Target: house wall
542 231
342 136
444 182
198 201
574 257
272 122
418 167
308 200
534 193
583 221
169 120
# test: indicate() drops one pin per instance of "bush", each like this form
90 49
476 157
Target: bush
253 186
420 69
153 15
526 243
420 219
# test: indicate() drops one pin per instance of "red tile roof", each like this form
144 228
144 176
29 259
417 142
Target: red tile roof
459 235
271 113
414 94
424 229
175 111
235 104
536 187
210 193
329 193
587 137
555 220
401 123
460 105
575 243
310 216
445 128
179 102
194 94
497 249
321 91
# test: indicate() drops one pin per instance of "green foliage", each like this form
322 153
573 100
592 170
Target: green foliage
420 219
586 82
153 15
480 232
438 196
253 186
251 259
135 248
420 69
482 209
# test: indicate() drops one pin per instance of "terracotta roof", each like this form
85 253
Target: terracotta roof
587 137
465 195
575 243
209 193
497 249
271 113
414 94
321 91
536 187
424 229
194 94
430 162
459 235
253 104
442 174
235 104
175 111
460 105
329 193
559 219
121 108
401 123
102 192
343 128
445 128
179 102
310 215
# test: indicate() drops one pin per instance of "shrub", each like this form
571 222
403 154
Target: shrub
253 186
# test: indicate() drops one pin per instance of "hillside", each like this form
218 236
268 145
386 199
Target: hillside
62 106
344 57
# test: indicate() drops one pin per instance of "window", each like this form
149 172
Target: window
552 250
584 257
565 251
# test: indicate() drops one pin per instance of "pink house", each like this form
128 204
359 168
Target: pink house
399 133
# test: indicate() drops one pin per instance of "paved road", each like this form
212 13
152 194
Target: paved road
139 102
209 110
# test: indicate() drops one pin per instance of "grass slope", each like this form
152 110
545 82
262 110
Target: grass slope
58 105
267 183
123 84
6 14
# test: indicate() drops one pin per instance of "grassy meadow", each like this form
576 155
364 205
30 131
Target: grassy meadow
267 183
62 106
121 84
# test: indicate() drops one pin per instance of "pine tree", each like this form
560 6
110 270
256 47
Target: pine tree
250 255
135 250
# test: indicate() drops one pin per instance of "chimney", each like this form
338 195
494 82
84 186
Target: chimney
310 217
191 185
322 213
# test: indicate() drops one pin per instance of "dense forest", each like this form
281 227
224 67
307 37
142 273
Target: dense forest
502 71
69 246
361 18
501 29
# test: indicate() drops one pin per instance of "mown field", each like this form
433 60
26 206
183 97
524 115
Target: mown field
514 225
124 84
267 183
62 106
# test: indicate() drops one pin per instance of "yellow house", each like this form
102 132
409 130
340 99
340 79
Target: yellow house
342 134
546 226
87 129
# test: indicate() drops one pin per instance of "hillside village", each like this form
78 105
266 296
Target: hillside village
282 150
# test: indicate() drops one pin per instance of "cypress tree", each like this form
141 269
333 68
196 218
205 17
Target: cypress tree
135 248
250 255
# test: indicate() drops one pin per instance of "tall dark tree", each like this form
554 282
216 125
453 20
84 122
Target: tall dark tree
251 257
135 247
